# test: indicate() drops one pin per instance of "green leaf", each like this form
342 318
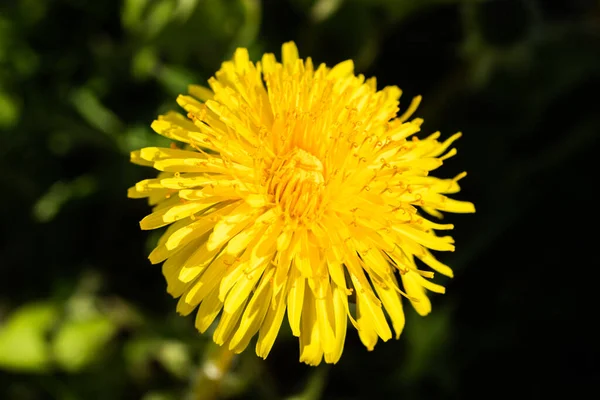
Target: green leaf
132 14
159 16
250 28
175 79
175 357
23 346
89 106
144 62
208 33
49 204
79 343
10 110
160 396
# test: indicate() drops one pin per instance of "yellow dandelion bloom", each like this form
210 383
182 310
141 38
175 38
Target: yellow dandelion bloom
297 190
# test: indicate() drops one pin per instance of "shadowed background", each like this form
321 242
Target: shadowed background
83 314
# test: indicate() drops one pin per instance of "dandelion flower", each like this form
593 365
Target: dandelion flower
301 191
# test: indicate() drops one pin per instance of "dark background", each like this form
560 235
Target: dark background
83 314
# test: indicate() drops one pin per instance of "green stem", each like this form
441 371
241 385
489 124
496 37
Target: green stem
212 372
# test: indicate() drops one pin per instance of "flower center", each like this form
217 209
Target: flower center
297 184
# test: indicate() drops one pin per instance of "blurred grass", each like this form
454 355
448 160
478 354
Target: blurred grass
84 316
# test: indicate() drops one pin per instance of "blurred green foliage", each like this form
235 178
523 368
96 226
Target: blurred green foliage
83 315
22 338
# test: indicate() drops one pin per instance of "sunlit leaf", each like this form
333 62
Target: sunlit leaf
159 16
10 110
48 205
78 343
131 15
23 344
94 112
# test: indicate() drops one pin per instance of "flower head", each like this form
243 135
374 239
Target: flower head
299 191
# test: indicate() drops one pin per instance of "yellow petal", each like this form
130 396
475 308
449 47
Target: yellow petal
289 53
391 301
366 331
208 311
426 239
227 325
254 314
430 260
196 263
136 158
160 153
295 300
197 228
230 225
336 270
271 325
241 290
341 70
200 92
371 313
287 246
326 319
161 253
416 293
241 59
252 260
340 310
172 214
207 281
414 104
434 287
171 268
311 351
